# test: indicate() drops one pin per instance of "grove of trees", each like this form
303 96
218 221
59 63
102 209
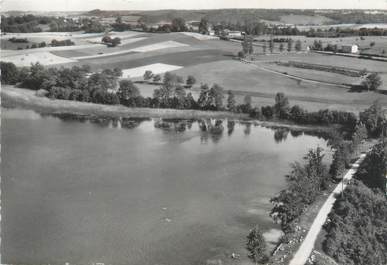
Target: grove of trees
304 183
357 227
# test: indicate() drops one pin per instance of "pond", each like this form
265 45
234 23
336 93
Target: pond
126 191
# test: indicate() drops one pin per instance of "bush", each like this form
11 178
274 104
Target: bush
191 80
256 246
156 78
372 82
56 43
148 75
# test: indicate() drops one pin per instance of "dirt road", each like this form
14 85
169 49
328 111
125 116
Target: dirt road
307 245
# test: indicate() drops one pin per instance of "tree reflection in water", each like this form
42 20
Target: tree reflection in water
280 134
247 129
296 133
209 130
230 127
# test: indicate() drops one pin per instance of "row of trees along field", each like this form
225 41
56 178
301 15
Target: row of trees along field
270 45
78 83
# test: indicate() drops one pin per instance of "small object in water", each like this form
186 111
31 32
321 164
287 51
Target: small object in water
235 256
164 208
167 220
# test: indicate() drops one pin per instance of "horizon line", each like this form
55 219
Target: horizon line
193 9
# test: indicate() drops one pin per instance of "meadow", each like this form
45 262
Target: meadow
211 60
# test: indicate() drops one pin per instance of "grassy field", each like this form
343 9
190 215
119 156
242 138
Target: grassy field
247 79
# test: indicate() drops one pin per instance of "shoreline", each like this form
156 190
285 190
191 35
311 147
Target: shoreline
12 97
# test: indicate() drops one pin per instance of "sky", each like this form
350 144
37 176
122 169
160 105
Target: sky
80 5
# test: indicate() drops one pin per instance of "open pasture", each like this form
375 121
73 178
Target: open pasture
248 79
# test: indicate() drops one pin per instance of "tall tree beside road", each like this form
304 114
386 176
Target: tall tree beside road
247 45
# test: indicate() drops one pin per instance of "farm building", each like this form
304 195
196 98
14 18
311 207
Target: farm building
194 25
233 34
350 48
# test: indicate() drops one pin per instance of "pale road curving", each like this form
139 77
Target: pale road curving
304 251
307 80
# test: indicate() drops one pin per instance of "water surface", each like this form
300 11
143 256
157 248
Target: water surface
129 193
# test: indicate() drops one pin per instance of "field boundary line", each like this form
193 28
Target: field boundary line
297 77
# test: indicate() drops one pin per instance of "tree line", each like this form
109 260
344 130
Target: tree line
78 83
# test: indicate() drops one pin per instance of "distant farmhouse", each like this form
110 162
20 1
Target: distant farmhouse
350 48
193 25
233 34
